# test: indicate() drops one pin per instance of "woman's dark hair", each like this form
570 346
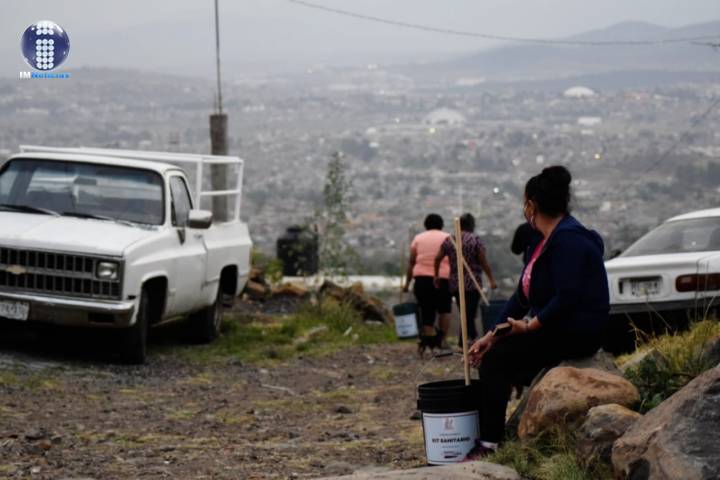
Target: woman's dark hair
550 190
434 222
467 222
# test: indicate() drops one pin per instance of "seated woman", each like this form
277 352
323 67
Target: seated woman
559 311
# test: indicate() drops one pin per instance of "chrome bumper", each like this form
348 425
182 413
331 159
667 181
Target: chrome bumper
75 312
676 305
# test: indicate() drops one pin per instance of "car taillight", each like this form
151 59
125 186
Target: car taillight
694 283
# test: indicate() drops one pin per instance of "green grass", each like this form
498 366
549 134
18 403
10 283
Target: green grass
678 360
313 330
549 457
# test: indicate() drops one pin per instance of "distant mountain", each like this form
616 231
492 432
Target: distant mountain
541 62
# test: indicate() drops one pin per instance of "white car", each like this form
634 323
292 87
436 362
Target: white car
113 239
670 275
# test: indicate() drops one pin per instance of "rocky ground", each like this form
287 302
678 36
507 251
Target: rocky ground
68 412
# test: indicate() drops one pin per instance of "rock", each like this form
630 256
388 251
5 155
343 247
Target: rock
639 357
603 425
369 307
711 351
35 434
256 291
565 394
342 409
257 275
677 439
460 471
601 360
292 290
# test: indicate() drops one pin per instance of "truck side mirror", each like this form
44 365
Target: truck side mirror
199 219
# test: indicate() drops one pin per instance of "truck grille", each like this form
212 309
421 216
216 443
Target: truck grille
56 274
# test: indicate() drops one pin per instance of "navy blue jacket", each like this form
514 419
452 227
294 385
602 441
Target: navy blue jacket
568 288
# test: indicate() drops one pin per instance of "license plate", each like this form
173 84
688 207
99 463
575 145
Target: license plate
14 310
643 289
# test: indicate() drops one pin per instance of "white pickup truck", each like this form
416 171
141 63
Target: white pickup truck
114 239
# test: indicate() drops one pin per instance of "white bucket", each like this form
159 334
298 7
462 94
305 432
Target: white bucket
451 422
406 320
449 436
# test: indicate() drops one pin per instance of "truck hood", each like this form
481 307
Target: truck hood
67 234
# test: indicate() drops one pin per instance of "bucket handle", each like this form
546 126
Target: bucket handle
427 364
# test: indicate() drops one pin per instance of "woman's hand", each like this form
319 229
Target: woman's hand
436 282
493 285
479 349
406 288
519 327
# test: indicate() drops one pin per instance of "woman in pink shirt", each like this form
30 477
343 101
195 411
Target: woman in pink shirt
432 300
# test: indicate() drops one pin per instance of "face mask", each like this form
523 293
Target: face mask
529 218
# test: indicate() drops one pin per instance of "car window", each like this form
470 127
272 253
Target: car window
681 236
181 203
78 188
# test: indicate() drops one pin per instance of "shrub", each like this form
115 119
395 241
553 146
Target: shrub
673 361
313 330
550 456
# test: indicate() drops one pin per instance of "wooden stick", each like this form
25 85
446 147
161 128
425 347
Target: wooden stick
472 277
461 293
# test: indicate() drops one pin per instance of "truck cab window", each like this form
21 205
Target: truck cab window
181 203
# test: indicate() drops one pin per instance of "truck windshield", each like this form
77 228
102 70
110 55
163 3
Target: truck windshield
680 236
84 189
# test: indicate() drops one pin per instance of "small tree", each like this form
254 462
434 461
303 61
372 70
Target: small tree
336 256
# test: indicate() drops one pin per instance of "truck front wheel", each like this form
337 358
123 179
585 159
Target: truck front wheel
134 339
205 324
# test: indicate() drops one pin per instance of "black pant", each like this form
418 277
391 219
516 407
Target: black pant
472 300
431 300
517 360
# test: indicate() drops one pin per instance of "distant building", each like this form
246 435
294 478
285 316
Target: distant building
589 121
579 92
444 116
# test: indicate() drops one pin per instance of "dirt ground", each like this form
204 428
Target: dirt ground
66 412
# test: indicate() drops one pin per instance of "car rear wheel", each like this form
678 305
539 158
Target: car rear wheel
134 339
205 324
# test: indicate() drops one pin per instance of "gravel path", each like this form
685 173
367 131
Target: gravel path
69 415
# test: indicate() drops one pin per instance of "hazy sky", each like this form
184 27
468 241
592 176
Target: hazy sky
175 35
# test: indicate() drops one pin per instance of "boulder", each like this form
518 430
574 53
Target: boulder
460 471
601 360
256 291
641 356
711 351
292 290
680 438
565 394
603 425
369 307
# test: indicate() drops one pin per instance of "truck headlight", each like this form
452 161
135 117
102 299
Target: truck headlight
107 270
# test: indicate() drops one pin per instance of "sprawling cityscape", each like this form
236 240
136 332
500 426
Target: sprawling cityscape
639 154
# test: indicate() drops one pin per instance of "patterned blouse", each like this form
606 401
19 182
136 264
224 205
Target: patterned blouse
472 246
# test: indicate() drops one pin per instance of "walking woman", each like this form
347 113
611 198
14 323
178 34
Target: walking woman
559 311
474 253
433 298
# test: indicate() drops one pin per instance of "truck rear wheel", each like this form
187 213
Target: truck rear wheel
205 324
134 339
